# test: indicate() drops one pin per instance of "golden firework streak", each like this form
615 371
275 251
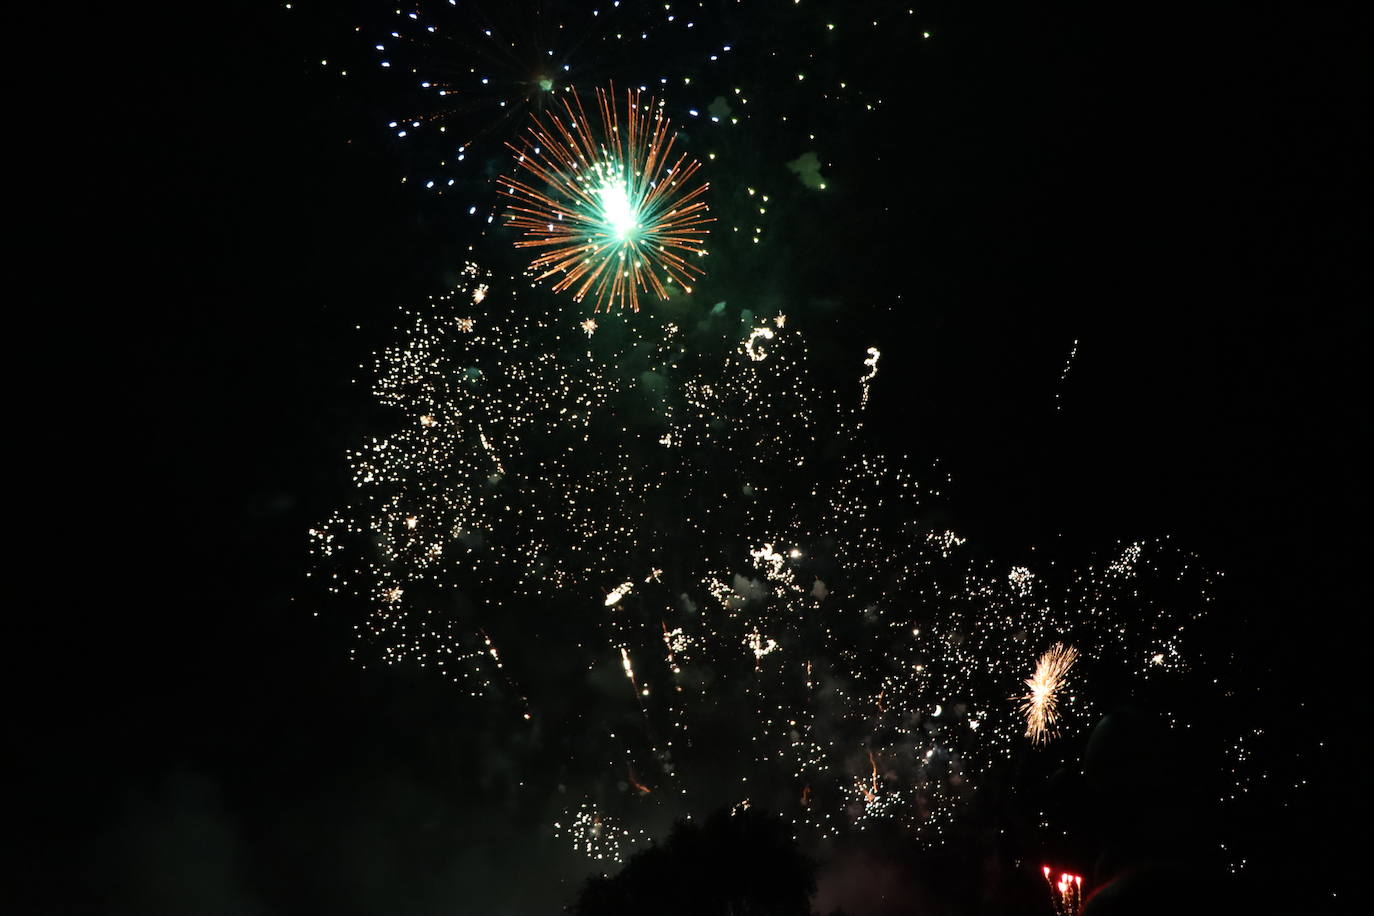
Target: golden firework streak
1040 702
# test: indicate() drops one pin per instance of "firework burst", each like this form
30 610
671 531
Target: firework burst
662 523
1066 893
1040 702
611 209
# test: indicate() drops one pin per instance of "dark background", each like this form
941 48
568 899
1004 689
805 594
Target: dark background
1180 190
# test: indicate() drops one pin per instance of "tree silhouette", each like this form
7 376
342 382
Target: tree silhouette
741 863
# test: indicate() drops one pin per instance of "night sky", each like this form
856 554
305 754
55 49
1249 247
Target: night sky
1175 196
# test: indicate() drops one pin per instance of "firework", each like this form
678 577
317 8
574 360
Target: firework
1065 893
1040 703
634 546
706 531
595 834
603 199
751 344
1022 580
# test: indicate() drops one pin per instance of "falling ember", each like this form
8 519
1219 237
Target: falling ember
1040 702
1066 893
609 205
635 783
491 648
871 792
872 363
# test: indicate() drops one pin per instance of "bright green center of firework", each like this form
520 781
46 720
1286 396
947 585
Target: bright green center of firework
617 211
545 83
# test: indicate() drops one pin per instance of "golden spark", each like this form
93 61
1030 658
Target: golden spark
1040 702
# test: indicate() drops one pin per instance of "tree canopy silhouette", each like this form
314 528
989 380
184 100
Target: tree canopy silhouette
740 863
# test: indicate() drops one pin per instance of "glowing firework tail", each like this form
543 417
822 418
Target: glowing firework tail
1066 892
614 213
1040 702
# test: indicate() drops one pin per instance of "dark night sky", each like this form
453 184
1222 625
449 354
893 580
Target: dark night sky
1181 191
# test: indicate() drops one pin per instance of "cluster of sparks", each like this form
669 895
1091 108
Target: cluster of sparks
1040 703
682 513
604 202
597 836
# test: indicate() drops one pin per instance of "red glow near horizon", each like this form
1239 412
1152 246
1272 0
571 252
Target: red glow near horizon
1067 891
